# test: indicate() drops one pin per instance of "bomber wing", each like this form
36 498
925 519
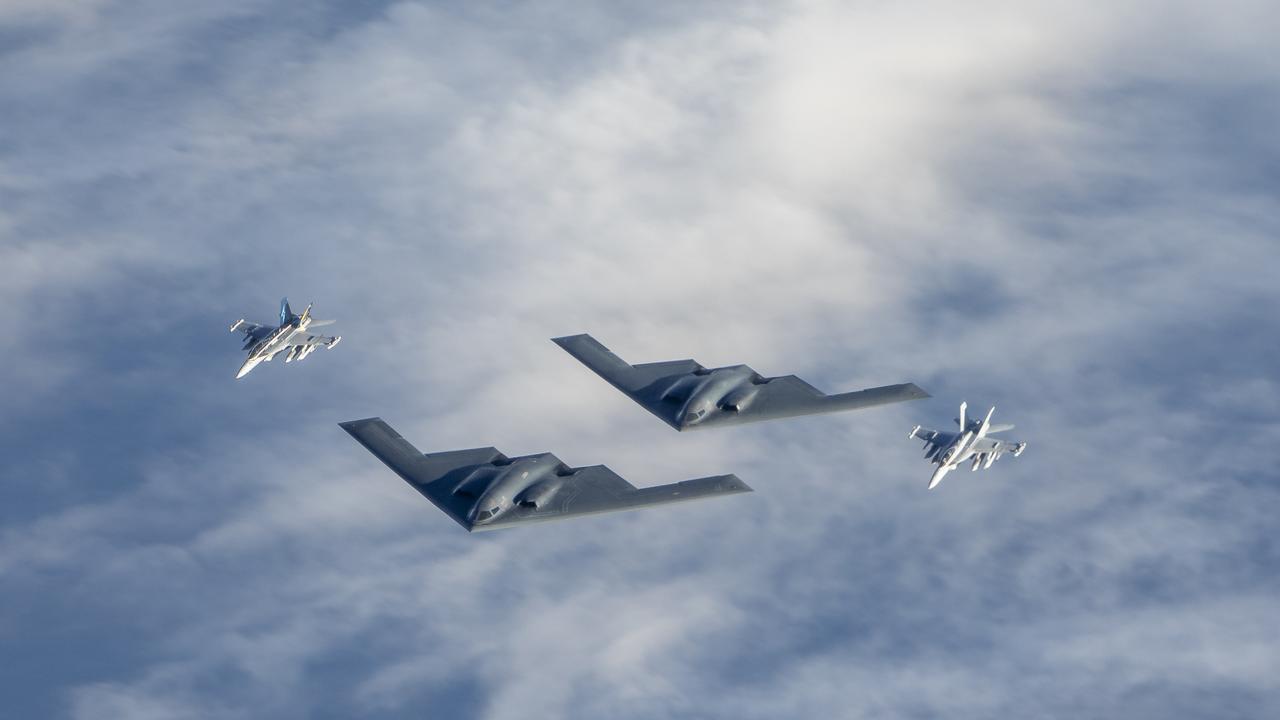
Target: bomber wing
578 491
789 396
651 386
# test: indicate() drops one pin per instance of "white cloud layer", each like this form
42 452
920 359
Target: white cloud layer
1066 212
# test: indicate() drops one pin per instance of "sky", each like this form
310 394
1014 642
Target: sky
1070 213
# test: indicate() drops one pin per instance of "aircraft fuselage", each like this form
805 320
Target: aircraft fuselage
529 481
721 391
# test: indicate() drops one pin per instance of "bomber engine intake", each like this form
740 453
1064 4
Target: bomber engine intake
740 398
539 494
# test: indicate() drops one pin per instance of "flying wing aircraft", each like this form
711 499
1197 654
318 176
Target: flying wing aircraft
947 450
482 489
292 334
686 395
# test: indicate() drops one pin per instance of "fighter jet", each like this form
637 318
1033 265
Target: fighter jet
686 395
265 342
482 489
948 450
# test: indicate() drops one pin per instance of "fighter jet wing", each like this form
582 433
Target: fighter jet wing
251 330
989 444
933 439
304 339
663 387
455 482
933 436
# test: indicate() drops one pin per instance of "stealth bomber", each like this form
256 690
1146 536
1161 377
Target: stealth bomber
686 395
482 489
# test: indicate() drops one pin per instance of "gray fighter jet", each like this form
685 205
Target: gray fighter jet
686 395
948 450
291 335
482 489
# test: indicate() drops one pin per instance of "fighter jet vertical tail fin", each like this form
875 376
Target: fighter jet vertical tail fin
986 423
285 311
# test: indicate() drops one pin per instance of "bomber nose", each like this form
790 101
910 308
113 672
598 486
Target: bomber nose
691 416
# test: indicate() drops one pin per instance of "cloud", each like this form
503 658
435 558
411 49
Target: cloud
1034 207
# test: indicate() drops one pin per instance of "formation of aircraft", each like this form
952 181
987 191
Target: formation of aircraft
483 489
291 335
971 442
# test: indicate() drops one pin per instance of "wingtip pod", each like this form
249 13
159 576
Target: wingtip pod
914 430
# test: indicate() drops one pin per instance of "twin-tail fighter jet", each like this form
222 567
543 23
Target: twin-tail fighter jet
971 442
482 489
291 336
687 396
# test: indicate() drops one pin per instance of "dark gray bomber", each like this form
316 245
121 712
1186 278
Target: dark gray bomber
482 489
686 395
